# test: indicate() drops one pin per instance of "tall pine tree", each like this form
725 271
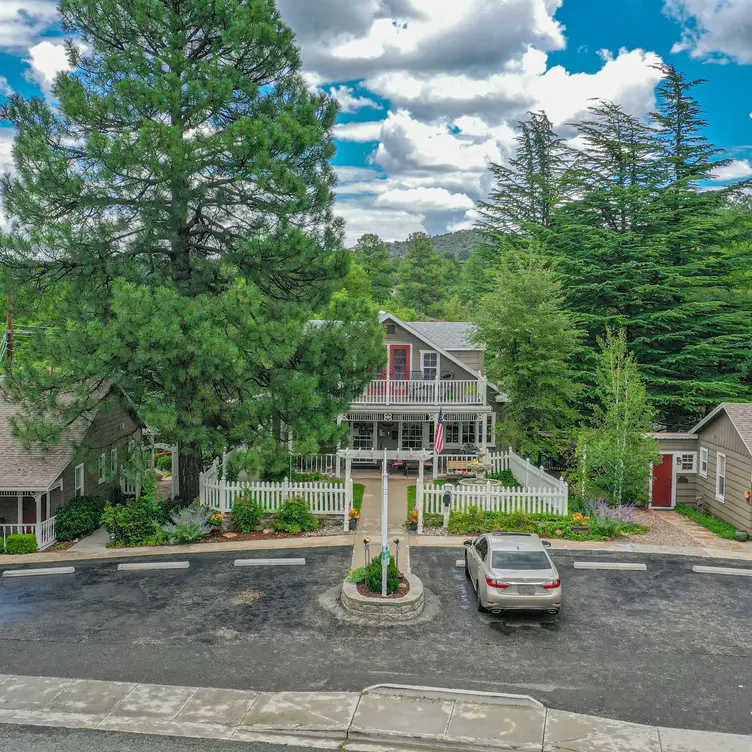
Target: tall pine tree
421 277
183 192
374 257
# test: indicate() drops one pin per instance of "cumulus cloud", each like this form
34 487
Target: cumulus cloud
718 30
360 133
363 217
5 88
348 100
735 170
22 21
425 200
47 59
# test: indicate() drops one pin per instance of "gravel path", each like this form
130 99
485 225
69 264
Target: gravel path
661 533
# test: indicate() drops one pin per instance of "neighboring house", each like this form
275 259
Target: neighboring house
430 366
35 482
711 466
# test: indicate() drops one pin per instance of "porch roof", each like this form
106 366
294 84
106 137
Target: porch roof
37 467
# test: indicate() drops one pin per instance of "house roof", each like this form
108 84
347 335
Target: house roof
451 335
740 415
36 467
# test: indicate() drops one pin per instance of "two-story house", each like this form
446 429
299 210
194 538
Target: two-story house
431 366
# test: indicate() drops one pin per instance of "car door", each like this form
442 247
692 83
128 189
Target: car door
480 551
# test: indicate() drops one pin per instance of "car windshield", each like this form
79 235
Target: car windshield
520 560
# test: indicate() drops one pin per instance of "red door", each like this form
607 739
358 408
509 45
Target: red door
663 479
399 363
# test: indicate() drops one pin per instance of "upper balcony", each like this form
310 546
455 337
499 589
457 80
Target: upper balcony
418 392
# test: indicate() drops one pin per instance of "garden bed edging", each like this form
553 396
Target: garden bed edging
384 610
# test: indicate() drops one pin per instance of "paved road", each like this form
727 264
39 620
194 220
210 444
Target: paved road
36 738
666 646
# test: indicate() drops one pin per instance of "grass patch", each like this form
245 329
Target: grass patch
411 493
358 490
720 527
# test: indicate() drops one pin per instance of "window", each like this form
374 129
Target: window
102 467
720 478
704 462
113 461
363 435
686 463
451 433
468 433
430 365
78 480
520 560
481 546
412 435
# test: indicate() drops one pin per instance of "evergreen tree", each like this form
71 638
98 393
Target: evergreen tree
421 280
183 192
374 257
616 453
530 340
526 192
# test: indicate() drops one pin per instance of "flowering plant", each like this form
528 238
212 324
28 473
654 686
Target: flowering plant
354 515
412 518
581 519
216 519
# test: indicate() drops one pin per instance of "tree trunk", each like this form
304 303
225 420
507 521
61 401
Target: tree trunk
190 465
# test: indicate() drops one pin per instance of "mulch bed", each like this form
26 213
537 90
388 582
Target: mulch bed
401 593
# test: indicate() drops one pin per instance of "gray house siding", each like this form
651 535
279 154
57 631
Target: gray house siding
475 359
720 436
111 428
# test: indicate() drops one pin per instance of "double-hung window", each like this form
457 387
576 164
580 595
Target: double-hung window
430 365
78 480
412 435
704 462
720 477
468 433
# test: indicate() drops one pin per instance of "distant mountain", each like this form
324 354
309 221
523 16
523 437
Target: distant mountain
460 244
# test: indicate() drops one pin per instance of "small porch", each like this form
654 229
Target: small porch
28 511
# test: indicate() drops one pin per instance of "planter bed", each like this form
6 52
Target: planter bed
401 593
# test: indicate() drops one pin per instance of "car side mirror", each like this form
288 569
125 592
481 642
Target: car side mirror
467 543
547 544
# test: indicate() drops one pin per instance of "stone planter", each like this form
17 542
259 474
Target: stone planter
413 527
384 610
353 524
742 535
584 529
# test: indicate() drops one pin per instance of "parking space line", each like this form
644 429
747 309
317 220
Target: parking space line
148 565
722 570
269 562
35 572
618 565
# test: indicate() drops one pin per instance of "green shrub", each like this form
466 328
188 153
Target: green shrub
79 517
164 462
294 517
21 544
608 527
169 507
134 523
357 575
506 477
246 513
373 576
188 526
720 527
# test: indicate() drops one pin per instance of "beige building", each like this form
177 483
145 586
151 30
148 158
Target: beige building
709 467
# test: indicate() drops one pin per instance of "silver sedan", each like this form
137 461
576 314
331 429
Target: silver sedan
512 571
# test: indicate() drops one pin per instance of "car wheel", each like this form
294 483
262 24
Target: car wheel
467 570
478 603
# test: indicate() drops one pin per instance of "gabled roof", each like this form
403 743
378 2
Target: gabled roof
740 415
37 467
451 335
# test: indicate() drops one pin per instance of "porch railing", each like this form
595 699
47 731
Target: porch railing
418 392
44 531
326 464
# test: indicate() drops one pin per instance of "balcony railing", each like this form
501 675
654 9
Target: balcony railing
417 392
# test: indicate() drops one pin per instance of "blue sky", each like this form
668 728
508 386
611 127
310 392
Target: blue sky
431 89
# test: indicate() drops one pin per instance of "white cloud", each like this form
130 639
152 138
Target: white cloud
6 148
714 29
23 21
363 217
361 133
425 200
349 102
47 59
735 170
5 88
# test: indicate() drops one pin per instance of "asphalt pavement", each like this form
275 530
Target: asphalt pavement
36 738
667 646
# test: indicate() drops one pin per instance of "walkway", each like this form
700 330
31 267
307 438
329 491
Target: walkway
96 543
370 517
704 537
416 716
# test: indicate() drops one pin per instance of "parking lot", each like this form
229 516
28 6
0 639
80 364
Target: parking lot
665 646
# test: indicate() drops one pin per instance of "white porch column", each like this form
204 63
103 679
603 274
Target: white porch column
19 520
484 430
48 510
38 526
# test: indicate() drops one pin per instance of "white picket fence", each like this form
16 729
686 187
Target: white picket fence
45 532
326 464
496 499
322 498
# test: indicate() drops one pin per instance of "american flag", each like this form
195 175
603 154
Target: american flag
438 438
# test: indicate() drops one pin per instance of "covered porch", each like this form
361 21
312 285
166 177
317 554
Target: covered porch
28 511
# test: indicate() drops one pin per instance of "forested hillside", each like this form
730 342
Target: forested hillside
459 244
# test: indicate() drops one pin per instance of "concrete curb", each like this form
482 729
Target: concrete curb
38 572
384 610
419 717
147 566
722 570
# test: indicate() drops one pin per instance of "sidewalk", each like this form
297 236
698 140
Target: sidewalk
419 717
